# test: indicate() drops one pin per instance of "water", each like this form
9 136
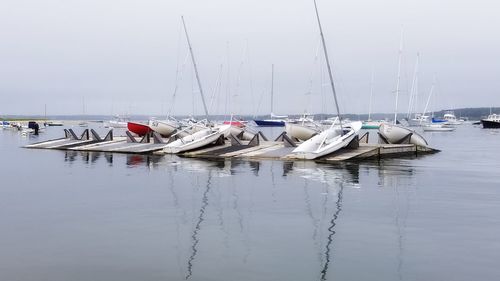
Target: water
97 216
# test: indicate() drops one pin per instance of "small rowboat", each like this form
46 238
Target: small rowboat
138 128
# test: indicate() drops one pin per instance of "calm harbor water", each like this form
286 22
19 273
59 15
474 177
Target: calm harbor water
96 216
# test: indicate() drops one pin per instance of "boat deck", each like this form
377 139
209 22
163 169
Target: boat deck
271 150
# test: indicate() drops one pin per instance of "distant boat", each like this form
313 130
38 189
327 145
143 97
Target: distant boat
370 125
276 120
239 124
53 123
438 128
419 120
492 122
270 122
118 122
451 119
138 128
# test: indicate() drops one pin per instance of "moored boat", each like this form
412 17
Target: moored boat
438 128
492 122
371 125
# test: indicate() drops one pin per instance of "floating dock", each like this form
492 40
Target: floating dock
257 148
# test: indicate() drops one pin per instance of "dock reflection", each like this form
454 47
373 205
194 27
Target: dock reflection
241 205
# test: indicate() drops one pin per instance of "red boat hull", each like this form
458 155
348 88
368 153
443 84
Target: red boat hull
138 128
235 123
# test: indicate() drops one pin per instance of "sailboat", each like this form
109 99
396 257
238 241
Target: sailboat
276 120
371 124
335 137
394 133
205 136
83 123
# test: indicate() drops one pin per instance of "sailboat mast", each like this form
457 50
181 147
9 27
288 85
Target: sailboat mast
399 77
371 95
412 104
429 98
328 66
272 91
195 68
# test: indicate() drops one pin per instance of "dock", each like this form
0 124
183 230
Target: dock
257 148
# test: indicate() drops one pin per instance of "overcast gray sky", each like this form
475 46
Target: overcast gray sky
120 56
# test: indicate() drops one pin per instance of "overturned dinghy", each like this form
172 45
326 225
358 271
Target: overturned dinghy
301 132
164 127
327 142
396 134
198 139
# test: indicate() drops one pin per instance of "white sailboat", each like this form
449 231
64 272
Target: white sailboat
335 137
328 141
198 139
276 120
201 137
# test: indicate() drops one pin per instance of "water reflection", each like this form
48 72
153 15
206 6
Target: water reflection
324 173
210 204
197 228
87 157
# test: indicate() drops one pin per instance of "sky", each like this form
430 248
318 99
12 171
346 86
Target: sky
130 56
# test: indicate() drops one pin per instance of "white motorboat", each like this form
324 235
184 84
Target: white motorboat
438 128
419 120
492 122
328 141
395 133
451 119
198 139
118 122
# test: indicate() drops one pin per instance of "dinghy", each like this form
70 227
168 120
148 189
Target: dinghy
327 141
301 132
395 134
164 127
138 128
198 139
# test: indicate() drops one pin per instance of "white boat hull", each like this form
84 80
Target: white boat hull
327 142
117 124
395 133
197 140
438 128
165 128
299 131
